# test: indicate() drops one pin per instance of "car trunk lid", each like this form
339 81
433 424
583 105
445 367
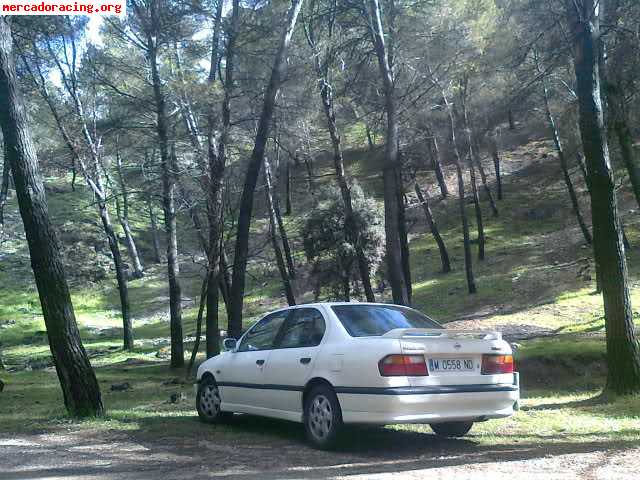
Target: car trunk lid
453 357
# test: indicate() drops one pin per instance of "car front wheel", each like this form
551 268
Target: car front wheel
322 417
451 429
208 402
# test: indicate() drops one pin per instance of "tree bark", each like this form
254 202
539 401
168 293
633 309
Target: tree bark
468 262
4 187
121 276
288 209
151 25
253 171
217 160
563 164
80 388
483 178
286 246
495 155
353 236
433 227
196 344
618 111
155 240
123 216
213 324
623 351
92 174
392 201
173 265
403 200
273 227
472 170
434 151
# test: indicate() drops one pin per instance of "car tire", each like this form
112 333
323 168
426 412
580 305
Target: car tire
208 402
322 417
451 429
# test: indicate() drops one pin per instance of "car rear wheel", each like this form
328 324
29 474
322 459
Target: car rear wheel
208 402
451 429
322 417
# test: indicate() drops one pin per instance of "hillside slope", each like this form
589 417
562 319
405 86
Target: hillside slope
538 275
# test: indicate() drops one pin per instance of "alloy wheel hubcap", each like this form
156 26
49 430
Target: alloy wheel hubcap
210 400
320 417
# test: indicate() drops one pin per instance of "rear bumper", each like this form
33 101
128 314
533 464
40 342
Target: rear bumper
429 404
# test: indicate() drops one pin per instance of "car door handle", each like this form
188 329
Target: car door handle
260 362
305 360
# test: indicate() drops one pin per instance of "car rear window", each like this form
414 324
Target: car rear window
376 320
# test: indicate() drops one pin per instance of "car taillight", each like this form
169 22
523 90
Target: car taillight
497 364
403 366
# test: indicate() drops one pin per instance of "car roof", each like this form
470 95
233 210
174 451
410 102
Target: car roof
333 304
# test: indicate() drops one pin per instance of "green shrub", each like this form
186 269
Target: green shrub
330 248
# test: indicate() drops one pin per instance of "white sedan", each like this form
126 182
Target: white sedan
329 364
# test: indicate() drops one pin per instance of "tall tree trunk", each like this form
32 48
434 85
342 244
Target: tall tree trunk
353 235
4 187
286 246
121 276
512 123
563 164
623 350
618 111
483 178
472 170
273 235
433 227
370 141
288 210
74 174
253 171
198 334
434 150
80 388
478 210
138 270
155 240
92 174
213 325
217 160
403 200
582 165
392 201
583 168
495 155
468 262
173 265
152 28
225 278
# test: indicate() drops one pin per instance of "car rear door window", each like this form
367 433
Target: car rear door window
263 334
304 328
375 320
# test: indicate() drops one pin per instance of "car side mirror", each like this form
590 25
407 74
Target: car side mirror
230 344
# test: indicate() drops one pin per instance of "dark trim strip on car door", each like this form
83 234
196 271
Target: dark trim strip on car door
429 390
424 390
259 386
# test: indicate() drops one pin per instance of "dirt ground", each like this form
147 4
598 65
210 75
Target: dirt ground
254 448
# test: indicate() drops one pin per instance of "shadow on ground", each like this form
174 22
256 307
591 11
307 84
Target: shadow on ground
253 447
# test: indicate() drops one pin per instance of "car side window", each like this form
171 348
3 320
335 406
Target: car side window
304 328
263 334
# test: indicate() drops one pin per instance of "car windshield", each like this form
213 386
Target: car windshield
376 320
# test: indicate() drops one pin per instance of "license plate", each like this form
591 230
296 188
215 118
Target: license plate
451 365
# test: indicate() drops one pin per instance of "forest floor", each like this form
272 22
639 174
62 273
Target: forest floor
599 442
536 285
